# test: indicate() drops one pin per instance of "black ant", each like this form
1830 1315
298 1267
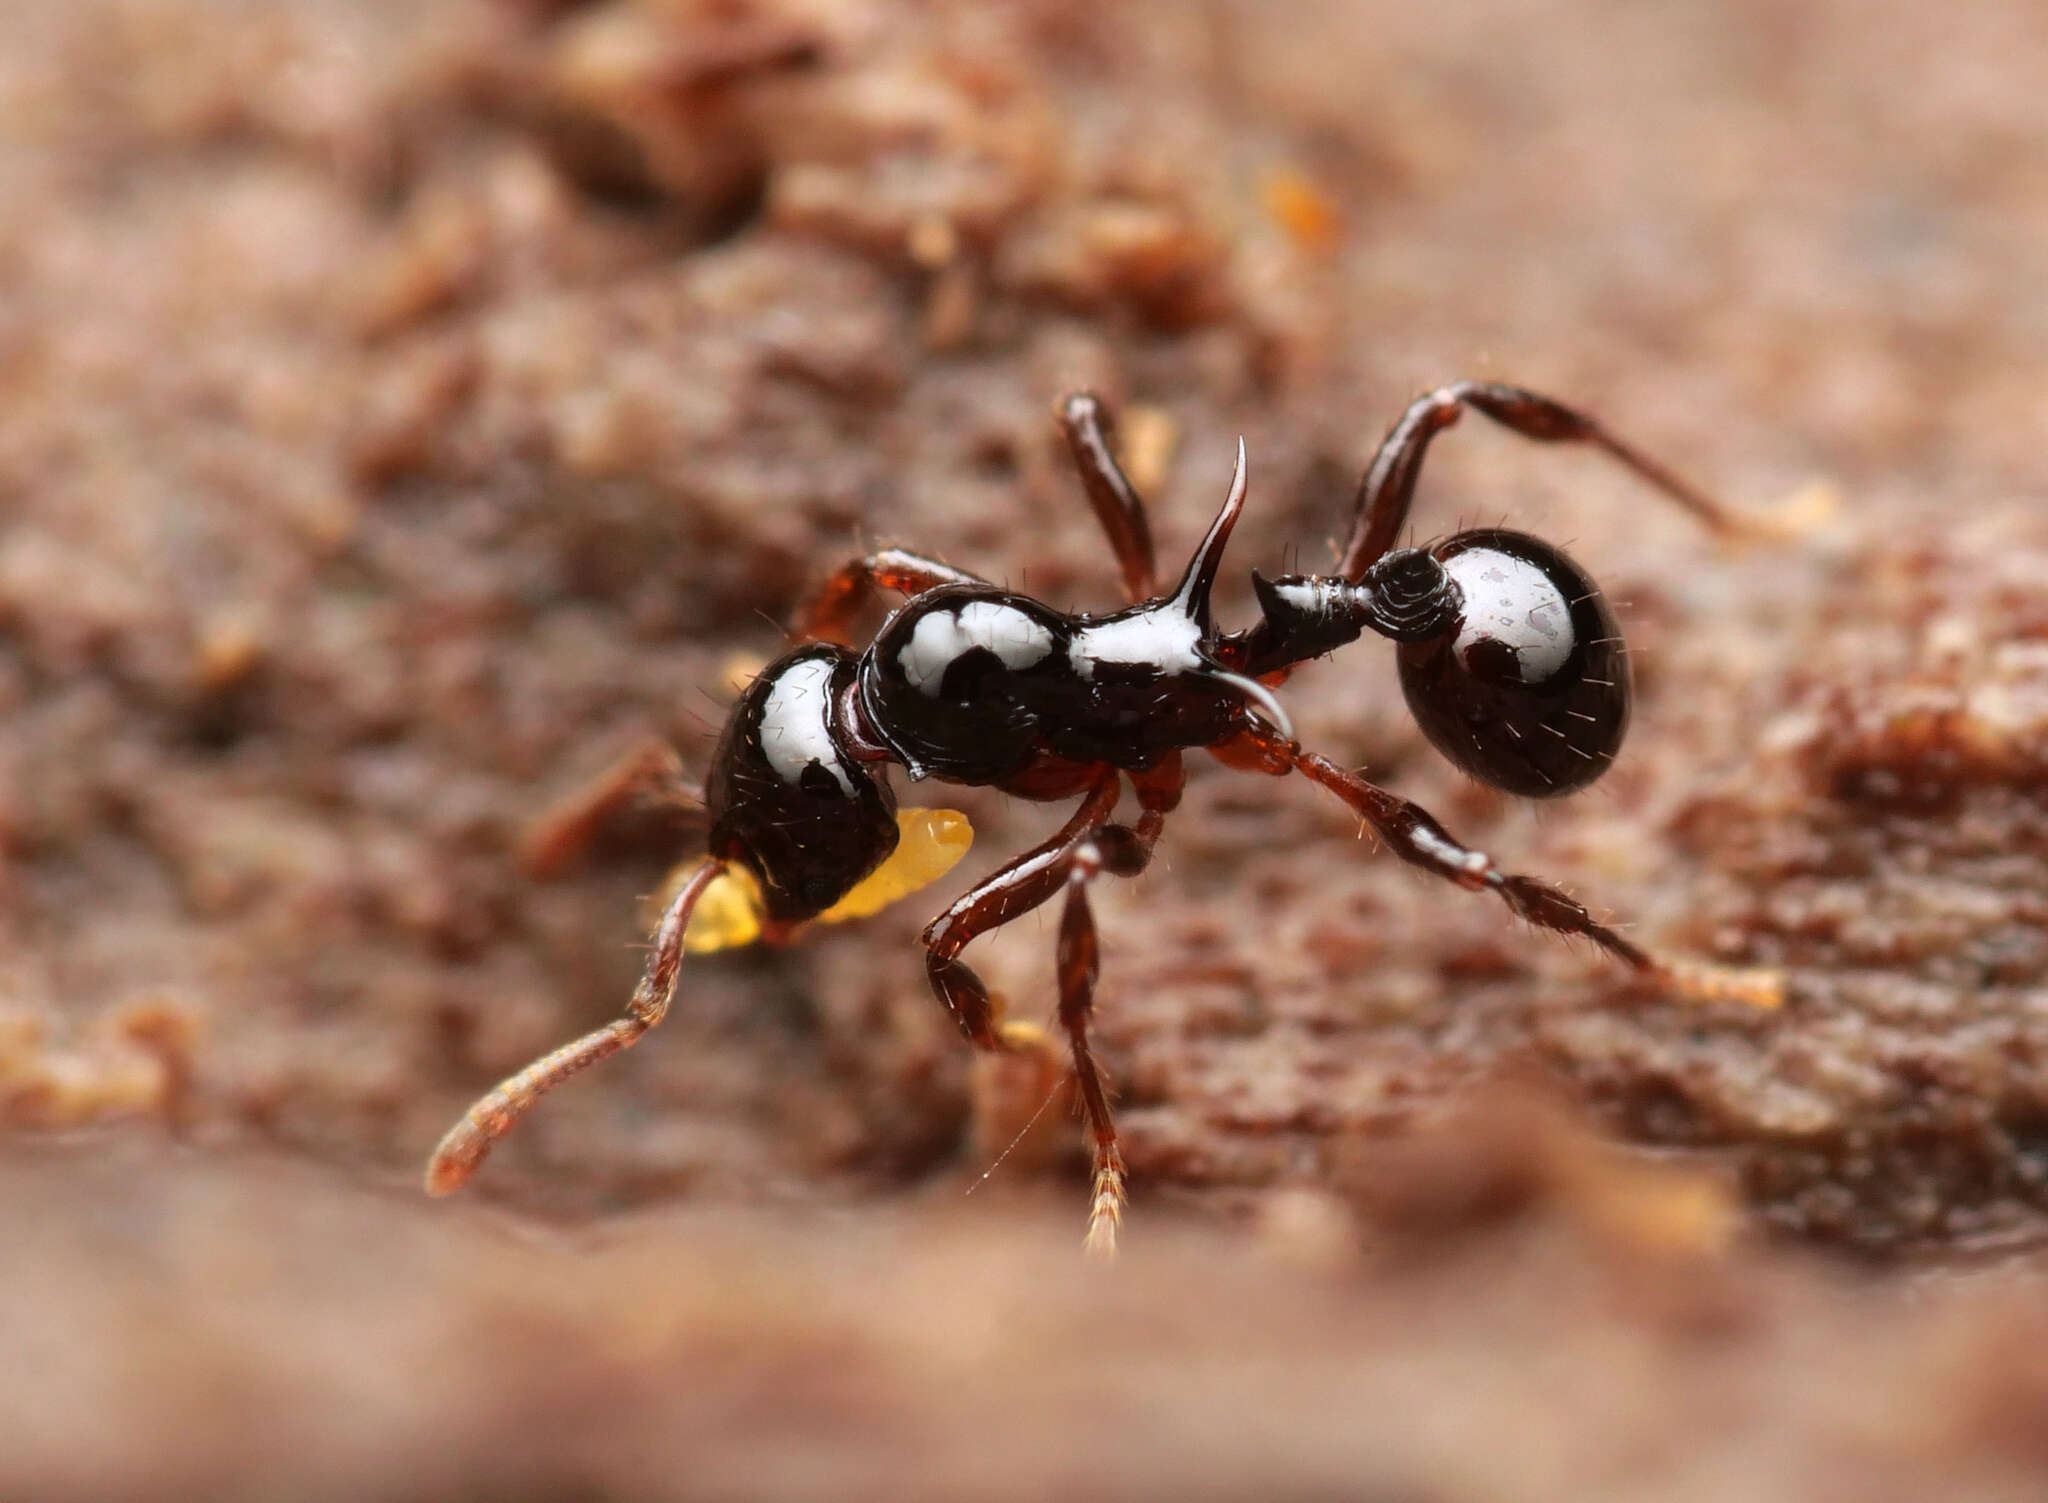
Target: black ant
1509 657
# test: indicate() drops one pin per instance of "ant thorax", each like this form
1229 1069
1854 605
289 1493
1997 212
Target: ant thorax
977 686
952 684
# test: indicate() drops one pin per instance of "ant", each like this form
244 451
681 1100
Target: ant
1510 660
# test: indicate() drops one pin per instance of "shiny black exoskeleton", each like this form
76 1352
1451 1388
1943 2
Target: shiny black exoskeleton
970 684
1509 658
788 798
1529 690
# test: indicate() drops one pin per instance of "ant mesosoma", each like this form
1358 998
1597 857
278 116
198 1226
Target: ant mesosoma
1509 657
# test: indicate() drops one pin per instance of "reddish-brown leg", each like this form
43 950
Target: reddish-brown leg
1158 789
1079 962
459 1153
1086 846
827 614
1090 433
1014 890
1124 851
1033 878
1414 835
1387 490
651 772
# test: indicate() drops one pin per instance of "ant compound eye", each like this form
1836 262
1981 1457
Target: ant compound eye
1529 690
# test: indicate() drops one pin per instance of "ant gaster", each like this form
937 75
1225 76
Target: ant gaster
1509 657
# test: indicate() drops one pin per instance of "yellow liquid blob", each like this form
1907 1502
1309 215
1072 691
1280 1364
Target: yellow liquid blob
931 843
727 916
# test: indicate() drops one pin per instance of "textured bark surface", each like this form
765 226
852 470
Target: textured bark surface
406 410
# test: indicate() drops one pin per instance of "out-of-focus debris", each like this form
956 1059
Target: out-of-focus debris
135 1062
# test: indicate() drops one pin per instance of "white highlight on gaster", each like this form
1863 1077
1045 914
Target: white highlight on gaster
1511 601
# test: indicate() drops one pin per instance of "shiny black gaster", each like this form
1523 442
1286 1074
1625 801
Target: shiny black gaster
1529 689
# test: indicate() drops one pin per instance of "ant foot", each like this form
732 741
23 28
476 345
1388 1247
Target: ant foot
1758 987
1106 1212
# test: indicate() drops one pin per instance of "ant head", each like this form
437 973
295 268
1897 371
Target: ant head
1527 689
788 801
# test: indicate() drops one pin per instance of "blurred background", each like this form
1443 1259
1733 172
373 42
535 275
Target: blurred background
407 410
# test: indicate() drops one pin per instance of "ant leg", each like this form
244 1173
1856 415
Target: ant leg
1158 789
1079 962
1012 891
1414 835
459 1153
651 770
1085 846
827 613
1090 431
1127 851
1388 488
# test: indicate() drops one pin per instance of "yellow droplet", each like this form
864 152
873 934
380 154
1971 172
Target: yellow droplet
1146 439
1302 208
933 841
1805 511
739 671
727 916
1760 987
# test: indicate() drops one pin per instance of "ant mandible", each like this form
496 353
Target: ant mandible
1509 657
